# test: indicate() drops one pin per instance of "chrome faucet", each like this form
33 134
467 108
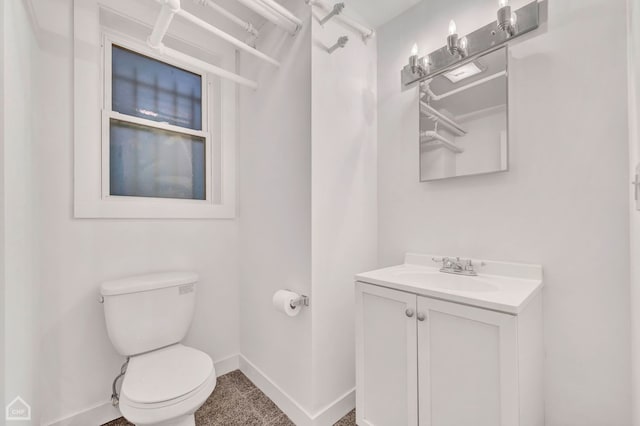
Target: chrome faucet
456 266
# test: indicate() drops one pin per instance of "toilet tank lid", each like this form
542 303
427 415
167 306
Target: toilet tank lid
147 282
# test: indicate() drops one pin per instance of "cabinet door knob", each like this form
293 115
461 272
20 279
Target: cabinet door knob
421 316
409 312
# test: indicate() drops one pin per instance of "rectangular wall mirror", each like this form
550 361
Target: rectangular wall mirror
464 124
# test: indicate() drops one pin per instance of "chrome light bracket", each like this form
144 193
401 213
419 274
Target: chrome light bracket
480 41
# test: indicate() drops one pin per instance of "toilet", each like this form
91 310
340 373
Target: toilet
147 317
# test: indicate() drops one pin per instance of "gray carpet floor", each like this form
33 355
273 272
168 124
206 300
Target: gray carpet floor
236 401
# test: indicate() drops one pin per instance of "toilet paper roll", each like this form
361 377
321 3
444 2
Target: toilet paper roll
282 302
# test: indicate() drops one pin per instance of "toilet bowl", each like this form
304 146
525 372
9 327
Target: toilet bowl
166 386
147 317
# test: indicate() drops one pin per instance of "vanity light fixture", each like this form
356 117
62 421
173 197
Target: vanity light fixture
510 25
455 44
506 19
413 59
418 66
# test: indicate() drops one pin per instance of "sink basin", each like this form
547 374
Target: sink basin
434 278
499 286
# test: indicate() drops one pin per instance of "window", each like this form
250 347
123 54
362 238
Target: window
157 146
153 138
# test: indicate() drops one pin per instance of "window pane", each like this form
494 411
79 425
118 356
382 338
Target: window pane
148 162
146 88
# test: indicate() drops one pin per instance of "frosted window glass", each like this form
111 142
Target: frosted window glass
146 88
149 162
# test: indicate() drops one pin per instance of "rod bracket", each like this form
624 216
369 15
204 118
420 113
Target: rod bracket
341 43
158 47
336 10
173 5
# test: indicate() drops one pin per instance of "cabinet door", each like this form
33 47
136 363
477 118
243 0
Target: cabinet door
467 365
386 357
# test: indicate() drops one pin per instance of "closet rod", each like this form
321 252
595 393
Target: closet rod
275 13
226 37
463 88
282 11
440 117
363 30
247 26
167 12
431 135
220 72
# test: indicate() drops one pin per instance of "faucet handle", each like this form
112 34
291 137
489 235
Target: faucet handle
447 262
456 265
468 265
442 260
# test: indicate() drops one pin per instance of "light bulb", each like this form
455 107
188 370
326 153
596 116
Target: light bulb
452 27
414 49
464 43
503 3
514 19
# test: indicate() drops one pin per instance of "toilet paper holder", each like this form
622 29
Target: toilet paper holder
301 300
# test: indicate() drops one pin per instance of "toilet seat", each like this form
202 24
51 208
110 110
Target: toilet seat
166 375
165 384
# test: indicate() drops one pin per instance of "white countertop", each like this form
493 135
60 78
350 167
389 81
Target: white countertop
499 286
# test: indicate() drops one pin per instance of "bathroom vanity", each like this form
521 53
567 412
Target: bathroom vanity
436 348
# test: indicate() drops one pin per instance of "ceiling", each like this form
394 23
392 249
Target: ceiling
378 12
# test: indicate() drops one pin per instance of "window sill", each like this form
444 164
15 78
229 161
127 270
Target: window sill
154 209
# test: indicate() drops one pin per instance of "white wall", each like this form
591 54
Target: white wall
20 308
275 207
344 201
634 159
79 362
563 203
307 208
2 203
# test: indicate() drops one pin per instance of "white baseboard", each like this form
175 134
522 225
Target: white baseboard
227 365
97 415
328 415
106 412
336 410
284 401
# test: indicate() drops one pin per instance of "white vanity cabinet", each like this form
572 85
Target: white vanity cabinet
427 361
386 357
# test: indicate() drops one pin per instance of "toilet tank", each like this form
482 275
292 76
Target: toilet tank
147 312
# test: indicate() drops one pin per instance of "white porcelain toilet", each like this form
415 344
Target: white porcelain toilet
147 317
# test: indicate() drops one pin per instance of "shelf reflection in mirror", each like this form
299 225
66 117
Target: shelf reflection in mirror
464 119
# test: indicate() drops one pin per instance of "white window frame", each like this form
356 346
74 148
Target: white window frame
92 198
108 113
